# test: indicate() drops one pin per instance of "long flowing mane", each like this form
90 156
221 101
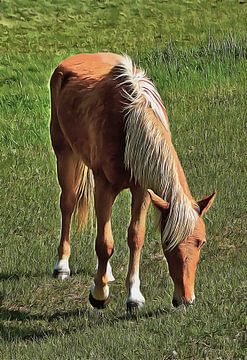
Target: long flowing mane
148 154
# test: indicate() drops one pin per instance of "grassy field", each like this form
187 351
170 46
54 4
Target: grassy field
196 53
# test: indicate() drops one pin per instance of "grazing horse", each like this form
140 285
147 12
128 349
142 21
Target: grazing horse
110 131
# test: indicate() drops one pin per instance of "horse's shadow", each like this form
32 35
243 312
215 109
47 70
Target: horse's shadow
18 275
15 324
21 325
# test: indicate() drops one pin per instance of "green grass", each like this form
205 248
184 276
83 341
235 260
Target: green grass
196 53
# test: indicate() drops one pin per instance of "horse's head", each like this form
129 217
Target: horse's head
183 258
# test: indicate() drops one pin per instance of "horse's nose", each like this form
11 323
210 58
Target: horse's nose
183 301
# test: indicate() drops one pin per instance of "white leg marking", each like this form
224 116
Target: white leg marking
135 296
110 276
63 266
109 273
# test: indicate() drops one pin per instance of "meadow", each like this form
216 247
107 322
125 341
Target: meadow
196 53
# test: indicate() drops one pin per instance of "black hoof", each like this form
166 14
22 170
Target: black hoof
98 304
133 307
61 274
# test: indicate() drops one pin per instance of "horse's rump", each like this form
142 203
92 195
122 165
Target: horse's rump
89 109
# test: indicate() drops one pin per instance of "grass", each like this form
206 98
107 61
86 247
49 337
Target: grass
196 54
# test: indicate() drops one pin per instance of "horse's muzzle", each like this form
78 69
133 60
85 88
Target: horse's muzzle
183 301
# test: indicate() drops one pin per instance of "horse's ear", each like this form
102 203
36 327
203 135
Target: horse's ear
205 203
160 203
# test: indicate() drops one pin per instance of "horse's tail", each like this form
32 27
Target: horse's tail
84 186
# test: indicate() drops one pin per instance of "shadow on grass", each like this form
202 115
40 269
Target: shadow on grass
18 315
22 325
18 275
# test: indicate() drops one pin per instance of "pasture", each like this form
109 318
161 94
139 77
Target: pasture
196 54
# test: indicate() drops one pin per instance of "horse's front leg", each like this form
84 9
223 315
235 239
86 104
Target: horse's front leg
136 234
104 198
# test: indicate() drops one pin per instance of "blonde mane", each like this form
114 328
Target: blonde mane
148 155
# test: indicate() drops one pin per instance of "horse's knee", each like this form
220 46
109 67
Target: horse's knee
135 237
104 248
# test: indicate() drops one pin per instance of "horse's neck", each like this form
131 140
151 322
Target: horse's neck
180 171
182 177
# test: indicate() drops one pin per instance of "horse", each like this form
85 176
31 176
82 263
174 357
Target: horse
110 131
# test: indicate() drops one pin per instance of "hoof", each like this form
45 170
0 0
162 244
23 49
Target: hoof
98 304
133 306
61 274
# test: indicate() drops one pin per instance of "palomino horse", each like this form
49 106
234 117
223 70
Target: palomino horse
110 131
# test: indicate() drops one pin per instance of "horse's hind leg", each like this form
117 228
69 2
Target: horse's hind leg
104 198
66 165
136 234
